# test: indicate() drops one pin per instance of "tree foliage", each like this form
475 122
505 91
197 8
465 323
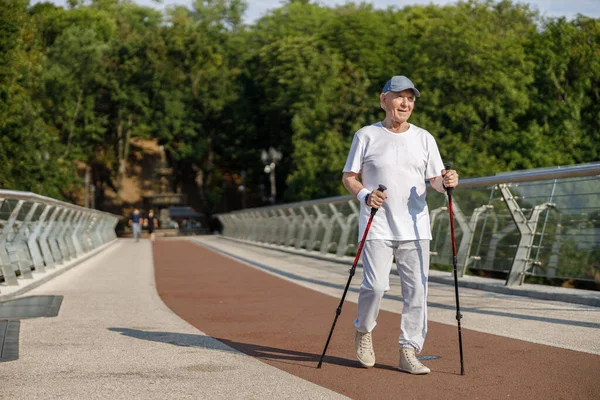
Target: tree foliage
502 89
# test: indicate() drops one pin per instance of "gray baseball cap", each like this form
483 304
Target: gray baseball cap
400 83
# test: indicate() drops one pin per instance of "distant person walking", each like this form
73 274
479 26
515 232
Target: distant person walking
151 223
400 156
135 223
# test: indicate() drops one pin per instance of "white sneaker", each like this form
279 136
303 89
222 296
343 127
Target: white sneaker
364 348
409 362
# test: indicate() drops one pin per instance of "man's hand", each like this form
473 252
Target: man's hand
450 178
376 198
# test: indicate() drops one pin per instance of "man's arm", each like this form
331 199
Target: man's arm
449 179
352 182
436 183
354 185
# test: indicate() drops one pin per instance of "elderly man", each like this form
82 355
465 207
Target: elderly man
401 156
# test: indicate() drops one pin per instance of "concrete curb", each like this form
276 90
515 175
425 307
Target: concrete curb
552 293
542 292
39 279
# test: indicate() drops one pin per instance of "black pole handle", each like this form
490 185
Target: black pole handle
381 188
447 166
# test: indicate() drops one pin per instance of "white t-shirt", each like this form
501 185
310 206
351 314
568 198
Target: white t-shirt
402 162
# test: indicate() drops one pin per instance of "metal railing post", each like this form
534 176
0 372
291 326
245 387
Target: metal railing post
32 241
44 241
329 225
346 227
8 272
466 241
527 230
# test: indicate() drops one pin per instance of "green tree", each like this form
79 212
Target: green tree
474 72
565 95
197 82
29 148
503 89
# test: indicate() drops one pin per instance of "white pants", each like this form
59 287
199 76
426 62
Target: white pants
412 262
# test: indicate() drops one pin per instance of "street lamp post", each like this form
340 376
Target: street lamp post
242 188
270 159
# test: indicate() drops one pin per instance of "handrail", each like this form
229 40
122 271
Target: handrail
570 171
573 171
15 194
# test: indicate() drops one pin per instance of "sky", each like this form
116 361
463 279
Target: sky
257 8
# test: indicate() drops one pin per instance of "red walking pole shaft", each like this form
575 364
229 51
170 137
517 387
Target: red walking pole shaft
454 264
352 270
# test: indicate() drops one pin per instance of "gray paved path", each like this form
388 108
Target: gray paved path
115 339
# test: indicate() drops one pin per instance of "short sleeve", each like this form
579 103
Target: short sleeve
435 165
355 156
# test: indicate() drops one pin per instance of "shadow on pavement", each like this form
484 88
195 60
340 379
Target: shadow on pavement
287 356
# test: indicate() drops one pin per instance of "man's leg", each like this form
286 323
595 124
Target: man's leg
377 262
412 261
377 259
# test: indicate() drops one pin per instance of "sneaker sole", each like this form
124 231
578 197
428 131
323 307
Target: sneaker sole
366 365
414 373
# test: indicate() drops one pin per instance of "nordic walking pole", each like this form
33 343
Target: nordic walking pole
454 262
381 188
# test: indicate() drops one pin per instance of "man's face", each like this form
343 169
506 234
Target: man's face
398 105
